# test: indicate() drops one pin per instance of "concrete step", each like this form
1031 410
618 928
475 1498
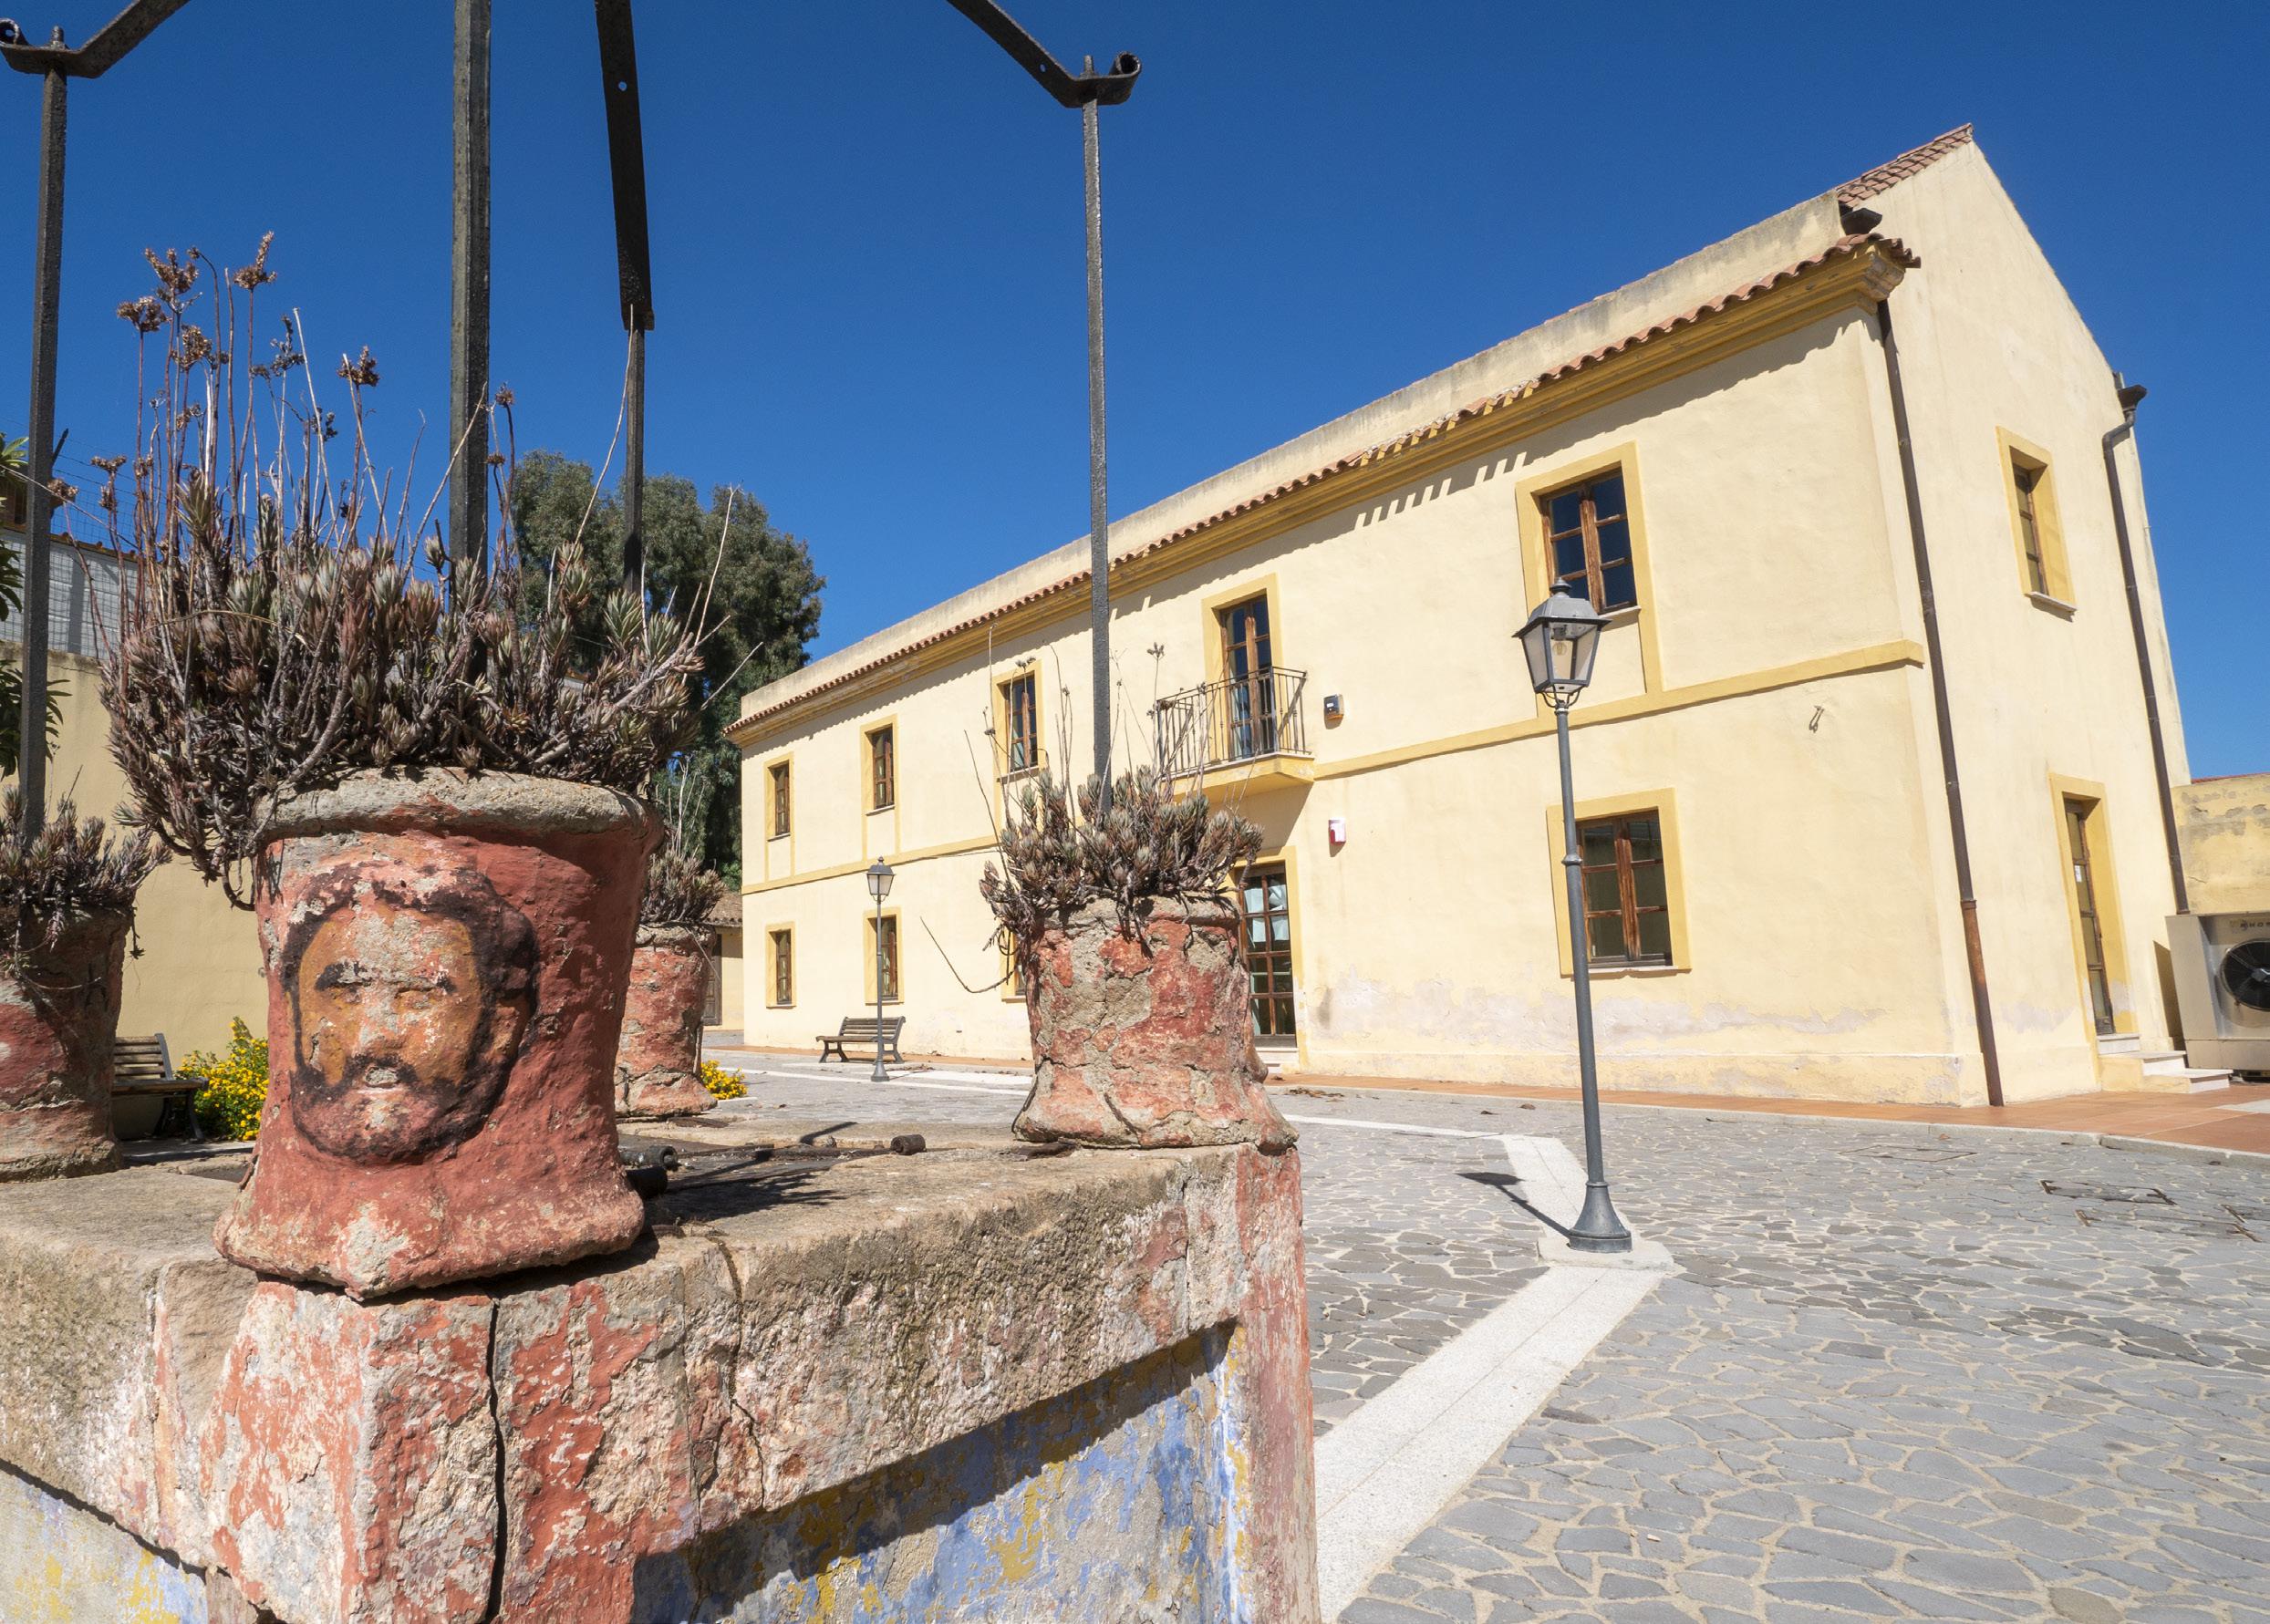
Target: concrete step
2172 1079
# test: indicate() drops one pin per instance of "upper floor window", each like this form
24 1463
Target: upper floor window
1249 692
882 769
2042 566
2027 482
1627 900
1020 723
1588 536
780 798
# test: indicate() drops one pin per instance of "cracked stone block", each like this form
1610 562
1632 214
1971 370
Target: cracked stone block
349 1458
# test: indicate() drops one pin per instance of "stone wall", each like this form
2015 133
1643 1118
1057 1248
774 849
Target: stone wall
979 1380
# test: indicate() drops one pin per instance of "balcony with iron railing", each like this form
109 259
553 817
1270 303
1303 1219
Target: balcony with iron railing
1250 730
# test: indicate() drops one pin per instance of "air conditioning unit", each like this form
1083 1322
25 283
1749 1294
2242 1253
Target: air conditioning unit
2222 963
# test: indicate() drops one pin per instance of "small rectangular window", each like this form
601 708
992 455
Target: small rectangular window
1588 542
2028 480
882 769
783 968
2044 570
1021 724
780 798
1627 901
883 955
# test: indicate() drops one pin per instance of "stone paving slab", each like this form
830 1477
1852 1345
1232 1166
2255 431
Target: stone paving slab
1898 1379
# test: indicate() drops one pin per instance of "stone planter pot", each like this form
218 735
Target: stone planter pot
446 958
658 1067
1144 1039
58 1023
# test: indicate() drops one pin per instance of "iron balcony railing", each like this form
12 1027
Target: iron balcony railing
1239 718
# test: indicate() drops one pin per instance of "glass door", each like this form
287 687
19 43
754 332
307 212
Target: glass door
1250 689
1266 901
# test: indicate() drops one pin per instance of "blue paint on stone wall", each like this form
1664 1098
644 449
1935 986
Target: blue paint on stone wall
1117 1502
62 1564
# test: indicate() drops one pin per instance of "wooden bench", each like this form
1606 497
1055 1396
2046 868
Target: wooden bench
144 1071
882 1035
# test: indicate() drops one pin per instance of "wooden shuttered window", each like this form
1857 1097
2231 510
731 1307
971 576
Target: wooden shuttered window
1627 899
1588 537
882 768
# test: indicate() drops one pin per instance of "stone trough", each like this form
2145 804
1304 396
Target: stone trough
980 1380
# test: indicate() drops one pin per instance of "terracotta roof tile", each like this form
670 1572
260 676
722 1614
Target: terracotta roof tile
1885 176
1842 248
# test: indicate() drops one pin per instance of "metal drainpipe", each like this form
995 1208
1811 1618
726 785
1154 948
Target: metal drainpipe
2131 395
1982 1007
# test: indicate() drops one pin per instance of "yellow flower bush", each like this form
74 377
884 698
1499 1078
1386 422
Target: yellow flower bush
722 1084
236 1085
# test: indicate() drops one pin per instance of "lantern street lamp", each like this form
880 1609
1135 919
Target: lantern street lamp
1560 641
878 887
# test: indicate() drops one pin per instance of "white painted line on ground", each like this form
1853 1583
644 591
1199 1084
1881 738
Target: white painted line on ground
1358 1122
1384 1473
908 1082
2250 1105
1551 1181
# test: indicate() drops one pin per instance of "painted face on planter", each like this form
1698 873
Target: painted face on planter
408 1004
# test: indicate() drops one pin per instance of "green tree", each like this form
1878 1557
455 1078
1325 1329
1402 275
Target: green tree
764 608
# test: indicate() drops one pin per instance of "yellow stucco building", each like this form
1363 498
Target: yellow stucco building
193 961
1873 691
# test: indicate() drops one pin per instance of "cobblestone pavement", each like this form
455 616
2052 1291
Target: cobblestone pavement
1899 1378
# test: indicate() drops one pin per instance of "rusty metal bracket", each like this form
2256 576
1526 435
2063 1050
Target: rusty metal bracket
121 35
627 166
1108 88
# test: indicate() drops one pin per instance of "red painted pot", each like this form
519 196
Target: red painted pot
446 957
58 1025
658 1067
1143 1034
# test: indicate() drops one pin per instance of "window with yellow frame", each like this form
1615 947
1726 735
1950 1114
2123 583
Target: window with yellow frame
2044 570
781 952
882 967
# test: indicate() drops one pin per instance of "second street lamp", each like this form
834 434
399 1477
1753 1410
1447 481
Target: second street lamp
1560 641
878 887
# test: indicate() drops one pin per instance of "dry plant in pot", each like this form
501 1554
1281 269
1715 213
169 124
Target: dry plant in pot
426 795
658 1065
1123 924
66 902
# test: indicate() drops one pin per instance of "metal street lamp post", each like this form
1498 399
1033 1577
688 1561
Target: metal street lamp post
55 65
1560 641
1086 90
878 887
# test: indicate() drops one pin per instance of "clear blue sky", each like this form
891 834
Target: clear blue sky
868 233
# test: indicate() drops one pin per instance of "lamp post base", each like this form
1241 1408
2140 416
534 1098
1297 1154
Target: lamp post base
1598 1228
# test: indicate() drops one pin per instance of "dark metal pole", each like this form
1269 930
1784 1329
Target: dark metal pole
1597 1227
469 290
627 170
2131 397
1087 91
1943 715
39 434
1099 505
880 1074
635 465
